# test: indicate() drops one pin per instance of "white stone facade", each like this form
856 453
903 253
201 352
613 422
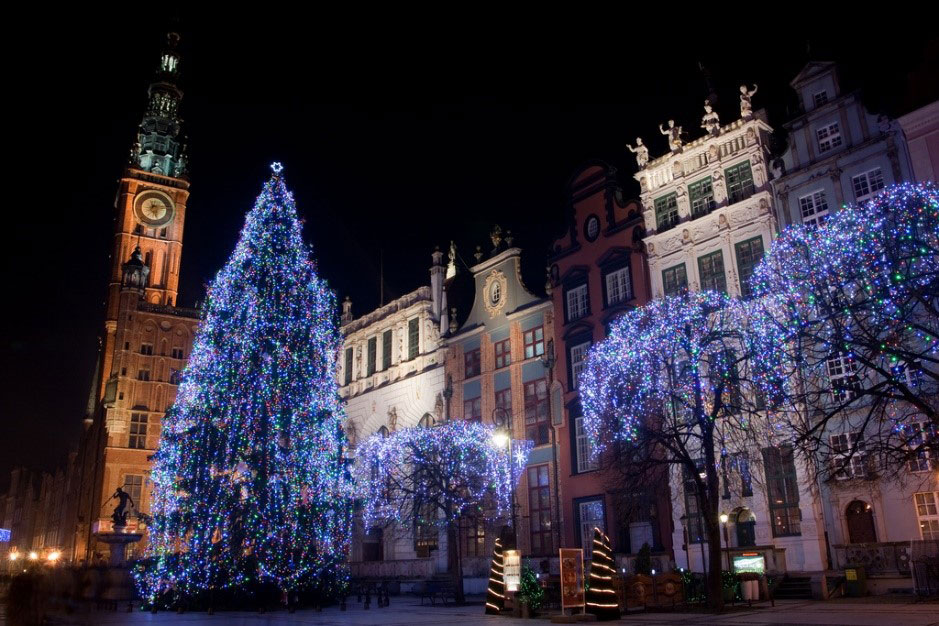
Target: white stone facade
394 391
726 222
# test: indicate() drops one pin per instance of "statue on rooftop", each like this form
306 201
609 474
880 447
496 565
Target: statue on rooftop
710 122
746 106
641 152
674 135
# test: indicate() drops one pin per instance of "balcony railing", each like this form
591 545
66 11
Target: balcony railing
890 557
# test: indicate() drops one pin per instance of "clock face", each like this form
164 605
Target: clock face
153 208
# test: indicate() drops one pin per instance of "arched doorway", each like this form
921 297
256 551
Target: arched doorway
860 518
373 545
745 525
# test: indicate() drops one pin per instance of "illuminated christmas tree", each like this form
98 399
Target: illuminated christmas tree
250 488
495 592
601 597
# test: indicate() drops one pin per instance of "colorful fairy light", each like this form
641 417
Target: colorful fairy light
601 599
455 469
249 482
857 300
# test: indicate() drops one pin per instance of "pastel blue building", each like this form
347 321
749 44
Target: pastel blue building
838 152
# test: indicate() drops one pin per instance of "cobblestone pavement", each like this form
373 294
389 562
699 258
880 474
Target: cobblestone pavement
407 612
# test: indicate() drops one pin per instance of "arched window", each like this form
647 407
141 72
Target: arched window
383 431
860 518
426 422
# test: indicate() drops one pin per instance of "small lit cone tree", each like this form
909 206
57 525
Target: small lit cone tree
495 591
857 300
601 596
249 486
435 476
678 383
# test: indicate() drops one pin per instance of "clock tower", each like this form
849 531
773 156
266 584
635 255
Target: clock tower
148 336
150 206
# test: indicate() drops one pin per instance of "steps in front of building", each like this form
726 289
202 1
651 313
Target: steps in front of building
794 588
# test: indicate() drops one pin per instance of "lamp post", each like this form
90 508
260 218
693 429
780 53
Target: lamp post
548 360
724 517
502 438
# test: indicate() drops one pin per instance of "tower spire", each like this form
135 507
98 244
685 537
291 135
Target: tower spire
160 147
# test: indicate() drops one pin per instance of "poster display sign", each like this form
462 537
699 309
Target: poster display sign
512 570
750 562
572 577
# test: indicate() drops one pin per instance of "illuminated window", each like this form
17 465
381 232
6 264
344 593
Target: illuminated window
814 208
674 280
842 374
590 515
578 358
782 491
534 342
711 272
539 510
473 409
504 404
921 443
848 459
473 536
867 184
618 286
749 255
536 412
577 303
829 137
503 352
372 355
138 431
133 485
414 335
927 513
471 362
701 194
386 350
739 182
666 212
585 458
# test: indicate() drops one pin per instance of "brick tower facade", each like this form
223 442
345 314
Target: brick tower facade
147 338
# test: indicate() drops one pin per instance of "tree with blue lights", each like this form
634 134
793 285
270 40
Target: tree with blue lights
435 477
681 385
857 299
250 491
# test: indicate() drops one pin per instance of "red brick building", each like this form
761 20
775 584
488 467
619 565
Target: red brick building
597 271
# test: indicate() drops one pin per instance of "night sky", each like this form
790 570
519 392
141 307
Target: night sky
393 141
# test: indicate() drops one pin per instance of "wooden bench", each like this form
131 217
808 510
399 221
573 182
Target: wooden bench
434 589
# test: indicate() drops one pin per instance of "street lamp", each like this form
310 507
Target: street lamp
33 556
53 556
14 555
502 438
724 517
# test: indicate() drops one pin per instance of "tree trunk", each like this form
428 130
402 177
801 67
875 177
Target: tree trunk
709 503
455 564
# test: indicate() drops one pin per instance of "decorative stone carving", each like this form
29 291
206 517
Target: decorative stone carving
714 153
677 171
711 121
674 135
392 419
651 248
641 152
722 221
644 183
764 205
750 136
495 290
685 236
746 101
